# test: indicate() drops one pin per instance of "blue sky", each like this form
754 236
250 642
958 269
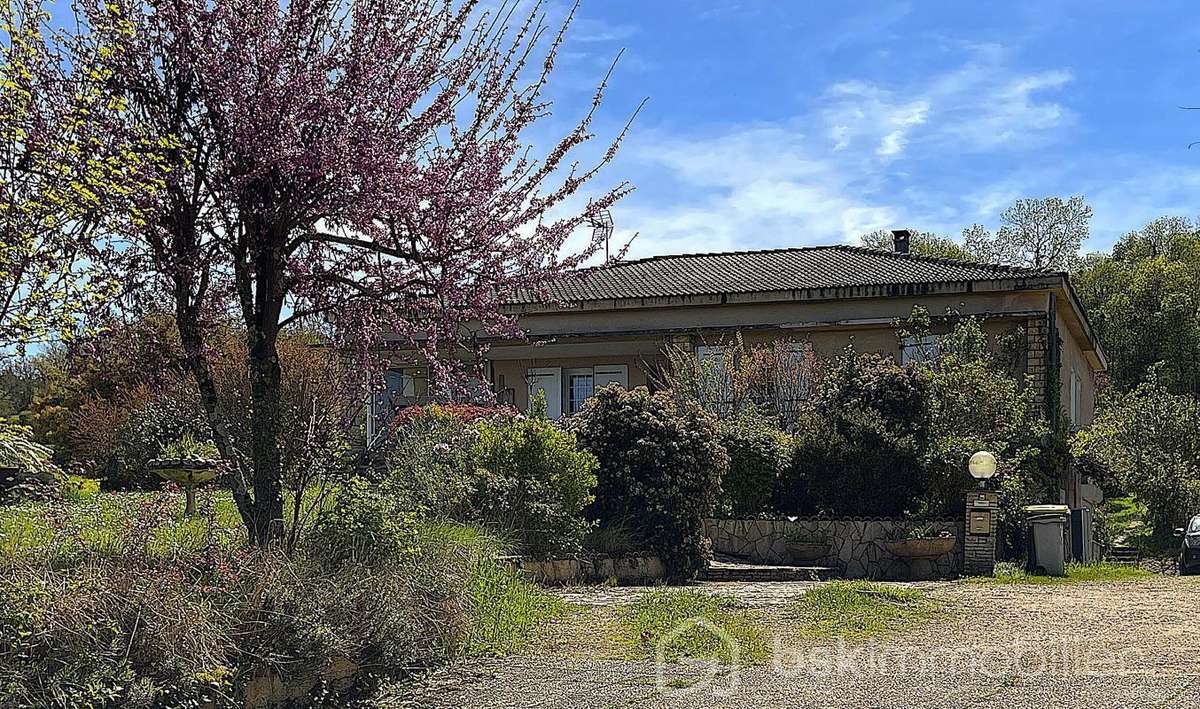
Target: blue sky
776 123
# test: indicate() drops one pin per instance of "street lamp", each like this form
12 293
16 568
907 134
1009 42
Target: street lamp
982 467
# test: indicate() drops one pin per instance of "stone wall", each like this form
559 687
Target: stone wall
857 546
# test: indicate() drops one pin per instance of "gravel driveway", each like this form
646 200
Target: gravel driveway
1123 644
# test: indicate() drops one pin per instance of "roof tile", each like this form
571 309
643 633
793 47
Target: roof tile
803 268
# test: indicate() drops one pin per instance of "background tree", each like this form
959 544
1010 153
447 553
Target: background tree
1144 302
1035 233
56 178
1148 441
924 243
358 164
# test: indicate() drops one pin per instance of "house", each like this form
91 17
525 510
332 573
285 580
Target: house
612 324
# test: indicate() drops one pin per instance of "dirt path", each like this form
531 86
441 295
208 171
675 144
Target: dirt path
1124 644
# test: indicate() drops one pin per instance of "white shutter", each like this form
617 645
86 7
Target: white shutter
1075 386
547 380
605 374
710 353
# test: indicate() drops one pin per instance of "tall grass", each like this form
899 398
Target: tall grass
504 612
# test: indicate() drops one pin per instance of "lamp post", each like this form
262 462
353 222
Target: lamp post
982 467
979 551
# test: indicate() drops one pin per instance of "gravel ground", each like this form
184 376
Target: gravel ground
1125 644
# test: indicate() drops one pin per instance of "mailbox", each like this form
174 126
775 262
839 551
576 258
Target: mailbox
981 505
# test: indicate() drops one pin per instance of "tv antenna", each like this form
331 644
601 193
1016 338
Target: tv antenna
602 228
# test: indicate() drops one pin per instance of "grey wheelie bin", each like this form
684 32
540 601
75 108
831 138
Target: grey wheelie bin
1046 538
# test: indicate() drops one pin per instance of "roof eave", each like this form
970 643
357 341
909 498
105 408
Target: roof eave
794 295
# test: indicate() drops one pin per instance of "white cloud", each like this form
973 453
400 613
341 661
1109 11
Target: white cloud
866 156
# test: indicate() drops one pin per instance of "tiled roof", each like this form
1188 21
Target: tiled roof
804 268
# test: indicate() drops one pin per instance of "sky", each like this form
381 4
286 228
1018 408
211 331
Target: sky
778 123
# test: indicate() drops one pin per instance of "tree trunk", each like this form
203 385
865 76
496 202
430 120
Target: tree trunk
191 336
265 382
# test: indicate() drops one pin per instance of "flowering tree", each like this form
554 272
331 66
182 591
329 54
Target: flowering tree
55 177
359 164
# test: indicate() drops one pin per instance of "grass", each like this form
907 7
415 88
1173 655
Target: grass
505 614
858 610
1008 573
687 624
111 524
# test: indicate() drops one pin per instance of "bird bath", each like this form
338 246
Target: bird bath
188 473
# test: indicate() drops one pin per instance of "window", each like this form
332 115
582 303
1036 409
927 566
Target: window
402 386
919 350
580 385
566 391
1076 390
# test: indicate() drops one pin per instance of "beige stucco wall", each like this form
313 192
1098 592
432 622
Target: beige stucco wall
1074 359
635 336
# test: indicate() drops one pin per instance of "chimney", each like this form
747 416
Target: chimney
900 240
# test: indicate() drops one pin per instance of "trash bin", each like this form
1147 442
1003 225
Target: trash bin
1046 536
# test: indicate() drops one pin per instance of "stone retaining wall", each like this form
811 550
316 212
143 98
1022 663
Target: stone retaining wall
857 547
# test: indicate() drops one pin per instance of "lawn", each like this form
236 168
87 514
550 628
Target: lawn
686 624
113 524
1008 573
859 610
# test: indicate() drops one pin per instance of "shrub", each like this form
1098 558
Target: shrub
853 463
874 383
34 476
156 419
533 482
132 630
759 454
363 525
775 377
661 465
860 451
428 460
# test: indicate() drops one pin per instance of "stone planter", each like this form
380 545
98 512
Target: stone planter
807 551
926 548
188 473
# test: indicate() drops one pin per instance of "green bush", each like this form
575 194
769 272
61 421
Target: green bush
363 525
428 460
759 454
871 382
34 476
154 423
533 482
661 464
520 476
852 464
1150 441
860 453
